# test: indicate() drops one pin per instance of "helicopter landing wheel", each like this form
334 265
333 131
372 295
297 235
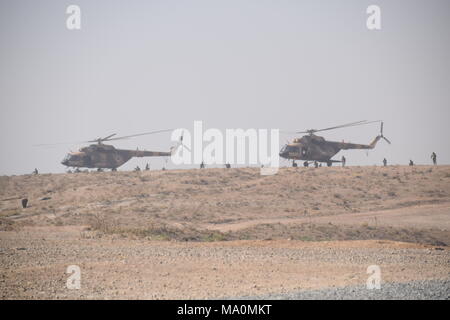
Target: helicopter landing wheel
294 164
114 169
306 164
329 164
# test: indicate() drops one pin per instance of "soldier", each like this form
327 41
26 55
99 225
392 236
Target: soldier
202 165
316 164
35 171
384 162
228 166
343 161
147 167
306 164
433 157
294 164
137 168
411 163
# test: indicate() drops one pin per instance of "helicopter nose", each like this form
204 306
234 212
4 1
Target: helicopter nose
65 161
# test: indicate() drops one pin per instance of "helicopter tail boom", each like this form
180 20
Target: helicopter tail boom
141 154
347 146
366 146
374 142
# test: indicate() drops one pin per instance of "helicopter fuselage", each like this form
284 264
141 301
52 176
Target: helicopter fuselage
316 148
105 156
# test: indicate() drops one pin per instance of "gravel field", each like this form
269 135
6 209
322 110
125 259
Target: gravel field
214 233
33 265
414 290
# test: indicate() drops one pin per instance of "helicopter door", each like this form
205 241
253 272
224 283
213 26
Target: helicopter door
303 151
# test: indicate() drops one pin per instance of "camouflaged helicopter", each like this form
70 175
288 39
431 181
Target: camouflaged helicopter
313 148
103 156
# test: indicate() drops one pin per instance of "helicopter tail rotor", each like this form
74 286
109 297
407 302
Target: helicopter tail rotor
382 136
179 144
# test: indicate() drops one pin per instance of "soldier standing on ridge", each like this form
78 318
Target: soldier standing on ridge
433 157
147 167
343 161
384 162
411 163
35 171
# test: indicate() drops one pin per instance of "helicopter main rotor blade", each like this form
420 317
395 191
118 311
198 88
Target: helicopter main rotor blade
352 124
57 144
102 139
110 136
137 135
345 125
335 127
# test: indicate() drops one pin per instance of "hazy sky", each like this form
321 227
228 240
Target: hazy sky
139 66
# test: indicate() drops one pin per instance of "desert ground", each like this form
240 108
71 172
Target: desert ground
227 233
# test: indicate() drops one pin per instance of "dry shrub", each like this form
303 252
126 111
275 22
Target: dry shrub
7 225
100 222
154 231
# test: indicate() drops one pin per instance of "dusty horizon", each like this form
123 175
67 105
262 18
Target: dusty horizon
143 66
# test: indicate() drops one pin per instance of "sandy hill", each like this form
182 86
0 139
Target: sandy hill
283 234
395 202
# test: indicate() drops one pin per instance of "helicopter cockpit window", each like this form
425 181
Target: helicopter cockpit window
74 157
288 148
